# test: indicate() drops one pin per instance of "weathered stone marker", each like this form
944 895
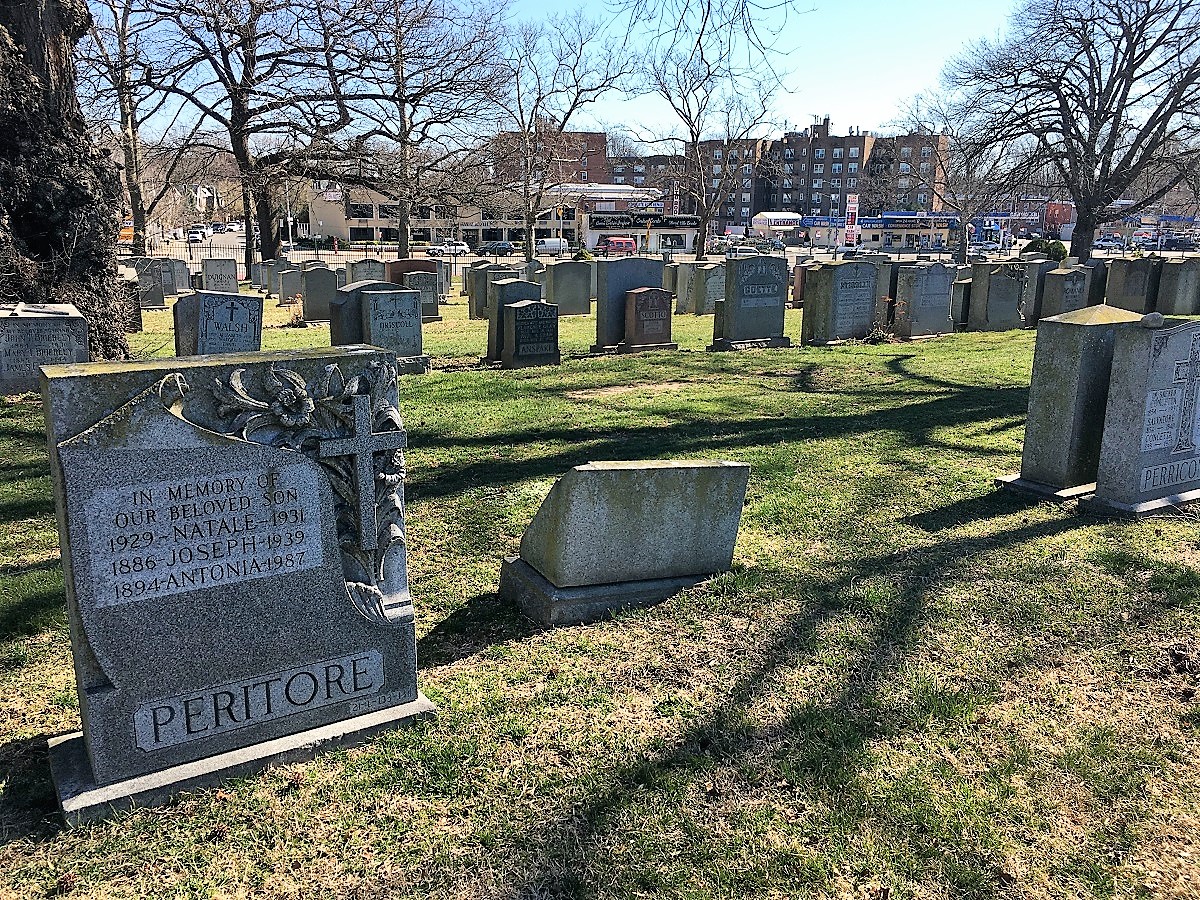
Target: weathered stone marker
569 287
38 334
392 320
319 286
923 300
996 297
706 287
1065 290
220 275
367 270
233 548
752 314
212 322
1133 283
647 321
840 301
426 284
504 292
1179 287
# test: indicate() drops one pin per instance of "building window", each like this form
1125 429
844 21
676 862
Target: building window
787 182
815 211
639 168
362 211
924 168
639 179
745 198
905 152
389 211
787 169
716 154
745 212
854 153
747 169
804 151
926 152
788 153
733 155
787 198
716 182
358 233
905 168
902 182
819 153
816 198
851 182
922 198
729 212
837 152
835 182
818 168
836 168
852 168
619 179
817 183
716 170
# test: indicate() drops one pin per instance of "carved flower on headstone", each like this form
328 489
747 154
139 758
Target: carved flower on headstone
290 404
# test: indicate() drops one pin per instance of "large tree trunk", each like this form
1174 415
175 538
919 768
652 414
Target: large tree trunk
59 195
1084 234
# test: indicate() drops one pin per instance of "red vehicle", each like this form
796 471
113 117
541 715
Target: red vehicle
616 246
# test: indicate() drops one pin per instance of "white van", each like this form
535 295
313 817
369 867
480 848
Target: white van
552 246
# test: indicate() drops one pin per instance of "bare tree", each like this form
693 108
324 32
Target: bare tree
1106 90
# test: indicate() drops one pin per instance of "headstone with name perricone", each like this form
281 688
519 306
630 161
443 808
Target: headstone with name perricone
1179 287
923 300
425 283
839 302
1150 453
183 276
234 556
1065 290
220 275
960 300
752 313
290 287
608 536
318 285
1072 363
706 287
166 275
212 322
1133 283
367 270
530 335
1034 286
996 297
392 320
647 321
345 311
397 268
506 291
568 286
614 279
38 334
340 272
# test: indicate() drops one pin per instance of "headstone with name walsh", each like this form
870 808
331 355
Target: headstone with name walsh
220 275
840 301
530 335
234 556
38 334
212 322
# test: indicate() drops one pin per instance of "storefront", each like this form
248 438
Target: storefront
654 232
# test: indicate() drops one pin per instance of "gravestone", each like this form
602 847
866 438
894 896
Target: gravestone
670 276
256 274
996 290
484 284
38 334
799 272
313 264
220 275
751 315
392 320
426 284
235 565
683 284
166 275
1065 290
340 272
1133 283
444 273
1179 287
345 311
150 287
1068 391
960 301
706 287
1033 287
530 335
923 300
840 301
1150 452
367 270
183 276
290 287
212 322
267 273
614 279
318 286
647 321
397 268
507 291
568 286
127 284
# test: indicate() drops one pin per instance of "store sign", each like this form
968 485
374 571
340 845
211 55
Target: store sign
851 219
598 221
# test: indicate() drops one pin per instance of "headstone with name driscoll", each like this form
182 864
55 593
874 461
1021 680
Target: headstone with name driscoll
318 285
506 292
220 275
923 300
1150 453
1068 392
840 300
1065 290
706 287
568 286
996 297
1179 287
234 556
212 322
392 320
530 335
1133 283
34 335
345 311
426 284
614 279
647 321
290 287
367 270
752 313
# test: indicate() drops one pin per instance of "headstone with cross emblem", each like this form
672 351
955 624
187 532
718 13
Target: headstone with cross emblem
235 562
217 322
1150 453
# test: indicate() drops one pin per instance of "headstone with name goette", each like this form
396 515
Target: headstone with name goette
840 302
1133 283
367 270
392 320
38 334
1065 290
426 283
647 321
505 292
212 322
706 287
752 314
1179 287
220 275
290 287
614 279
996 290
1068 392
568 286
345 311
530 335
235 566
923 300
318 285
1150 453
1033 287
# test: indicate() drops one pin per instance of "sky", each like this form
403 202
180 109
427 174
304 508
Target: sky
856 61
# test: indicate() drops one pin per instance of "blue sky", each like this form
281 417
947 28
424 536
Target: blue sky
854 60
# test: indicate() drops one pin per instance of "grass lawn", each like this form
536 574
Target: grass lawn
910 685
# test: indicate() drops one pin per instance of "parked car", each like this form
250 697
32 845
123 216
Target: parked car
616 246
552 246
448 248
1108 243
741 252
1178 243
846 251
218 227
196 236
495 248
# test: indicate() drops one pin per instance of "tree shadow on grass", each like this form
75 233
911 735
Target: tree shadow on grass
484 621
28 801
33 604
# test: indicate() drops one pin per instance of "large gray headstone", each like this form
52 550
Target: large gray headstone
183 276
923 300
392 320
996 291
752 313
568 285
290 286
1065 290
212 322
234 557
1033 287
426 283
1179 287
38 334
530 334
319 285
506 291
367 270
345 311
1133 283
683 283
166 275
220 275
705 288
614 279
150 287
267 272
839 302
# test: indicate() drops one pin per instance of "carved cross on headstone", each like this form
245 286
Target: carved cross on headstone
362 445
233 308
1187 372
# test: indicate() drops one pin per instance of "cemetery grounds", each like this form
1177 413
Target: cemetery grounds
910 685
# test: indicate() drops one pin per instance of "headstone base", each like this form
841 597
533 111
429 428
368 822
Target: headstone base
601 348
1043 491
721 344
413 365
425 320
642 348
82 800
1163 506
543 602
